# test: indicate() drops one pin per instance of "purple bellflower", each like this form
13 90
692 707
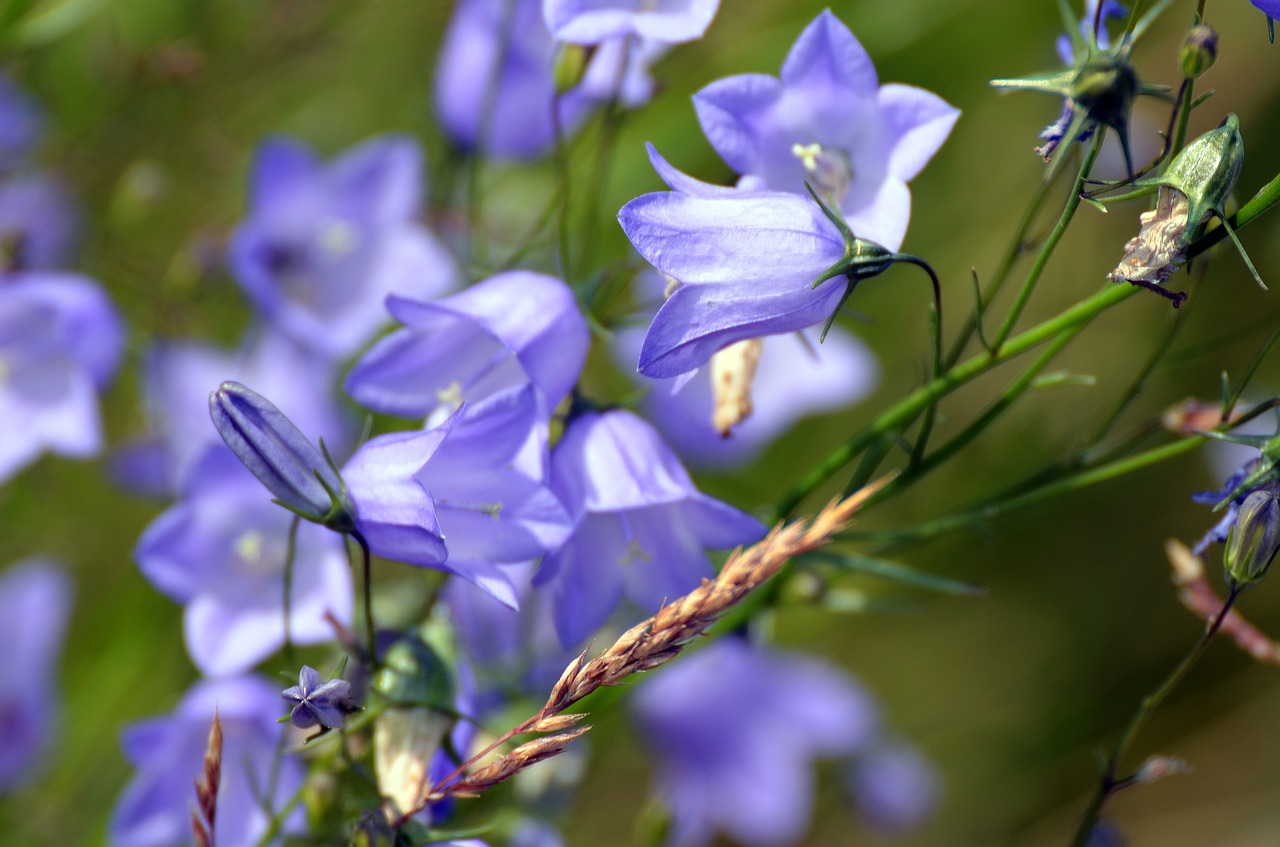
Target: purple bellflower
21 124
895 788
746 261
828 121
177 375
167 752
60 343
37 223
221 552
734 731
317 702
35 599
324 245
1270 8
511 329
796 377
596 21
494 86
641 527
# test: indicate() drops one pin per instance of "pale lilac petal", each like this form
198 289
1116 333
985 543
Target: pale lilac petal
727 109
763 242
582 591
394 512
679 181
827 52
896 788
884 220
225 636
918 122
385 173
593 21
665 558
281 167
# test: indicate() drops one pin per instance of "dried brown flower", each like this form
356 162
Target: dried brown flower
1159 248
1197 595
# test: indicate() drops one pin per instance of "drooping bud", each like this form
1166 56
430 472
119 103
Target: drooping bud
1254 539
288 463
733 371
418 689
1199 51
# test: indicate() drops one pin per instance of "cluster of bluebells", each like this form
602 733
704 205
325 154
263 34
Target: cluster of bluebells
548 518
61 340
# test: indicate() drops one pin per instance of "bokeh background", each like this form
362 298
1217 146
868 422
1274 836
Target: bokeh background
154 108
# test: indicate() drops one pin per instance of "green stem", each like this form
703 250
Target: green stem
1050 244
289 554
1062 485
1109 783
366 574
565 165
1267 196
917 401
1014 251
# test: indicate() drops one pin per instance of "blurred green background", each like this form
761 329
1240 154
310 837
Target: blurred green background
154 109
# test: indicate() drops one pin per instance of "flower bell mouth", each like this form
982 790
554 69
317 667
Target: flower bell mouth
828 171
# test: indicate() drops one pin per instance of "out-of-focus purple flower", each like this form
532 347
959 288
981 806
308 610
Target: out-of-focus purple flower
734 731
272 447
641 527
60 343
596 21
491 511
746 261
324 245
21 124
796 377
494 91
167 753
895 788
1111 10
514 328
535 833
317 702
35 599
37 223
829 121
221 551
177 378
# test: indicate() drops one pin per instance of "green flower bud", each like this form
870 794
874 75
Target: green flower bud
1254 539
1199 51
1206 172
570 66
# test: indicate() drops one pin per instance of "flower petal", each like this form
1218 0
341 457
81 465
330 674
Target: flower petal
918 122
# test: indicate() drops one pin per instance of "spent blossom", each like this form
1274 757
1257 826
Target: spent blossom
828 120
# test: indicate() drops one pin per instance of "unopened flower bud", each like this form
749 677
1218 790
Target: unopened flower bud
1254 539
570 66
288 463
1199 51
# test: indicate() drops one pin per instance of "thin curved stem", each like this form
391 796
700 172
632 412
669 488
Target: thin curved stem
290 553
1109 782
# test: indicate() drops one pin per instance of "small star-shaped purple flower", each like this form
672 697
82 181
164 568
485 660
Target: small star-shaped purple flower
317 703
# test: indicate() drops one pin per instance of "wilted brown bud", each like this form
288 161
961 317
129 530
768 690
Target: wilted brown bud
733 370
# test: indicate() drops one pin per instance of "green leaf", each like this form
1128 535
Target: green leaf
899 573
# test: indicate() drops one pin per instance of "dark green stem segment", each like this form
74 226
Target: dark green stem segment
1110 782
366 577
1050 244
290 553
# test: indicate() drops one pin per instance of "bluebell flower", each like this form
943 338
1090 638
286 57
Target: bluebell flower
734 731
746 261
35 602
167 752
895 787
1270 8
512 329
221 552
21 124
828 121
176 377
796 377
494 91
60 342
595 21
318 702
38 223
641 527
324 245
